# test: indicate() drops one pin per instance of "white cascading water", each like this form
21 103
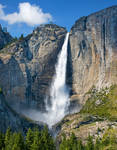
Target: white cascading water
59 92
58 103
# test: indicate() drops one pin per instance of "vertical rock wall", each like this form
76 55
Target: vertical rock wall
93 48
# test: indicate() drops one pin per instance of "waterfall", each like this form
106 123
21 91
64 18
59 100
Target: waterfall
57 103
59 92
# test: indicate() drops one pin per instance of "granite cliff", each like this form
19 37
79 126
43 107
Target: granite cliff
27 66
10 118
93 76
93 51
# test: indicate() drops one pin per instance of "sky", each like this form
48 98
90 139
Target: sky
21 16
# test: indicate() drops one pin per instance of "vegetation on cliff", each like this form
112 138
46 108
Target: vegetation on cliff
102 103
107 142
96 119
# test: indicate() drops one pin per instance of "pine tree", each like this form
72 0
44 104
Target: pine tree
18 142
36 144
15 147
90 145
73 142
8 139
65 144
97 144
21 37
7 136
29 139
47 142
2 141
80 145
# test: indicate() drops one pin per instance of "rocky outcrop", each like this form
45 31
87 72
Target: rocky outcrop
5 37
83 126
27 66
93 50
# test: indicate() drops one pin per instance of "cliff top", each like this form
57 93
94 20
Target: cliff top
80 24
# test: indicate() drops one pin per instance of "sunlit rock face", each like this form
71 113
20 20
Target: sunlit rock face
93 50
27 66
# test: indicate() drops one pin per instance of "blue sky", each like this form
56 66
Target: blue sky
63 12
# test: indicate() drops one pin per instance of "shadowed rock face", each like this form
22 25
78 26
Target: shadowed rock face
5 37
9 118
27 66
93 48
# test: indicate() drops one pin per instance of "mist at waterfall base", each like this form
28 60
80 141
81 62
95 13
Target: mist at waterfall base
57 103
